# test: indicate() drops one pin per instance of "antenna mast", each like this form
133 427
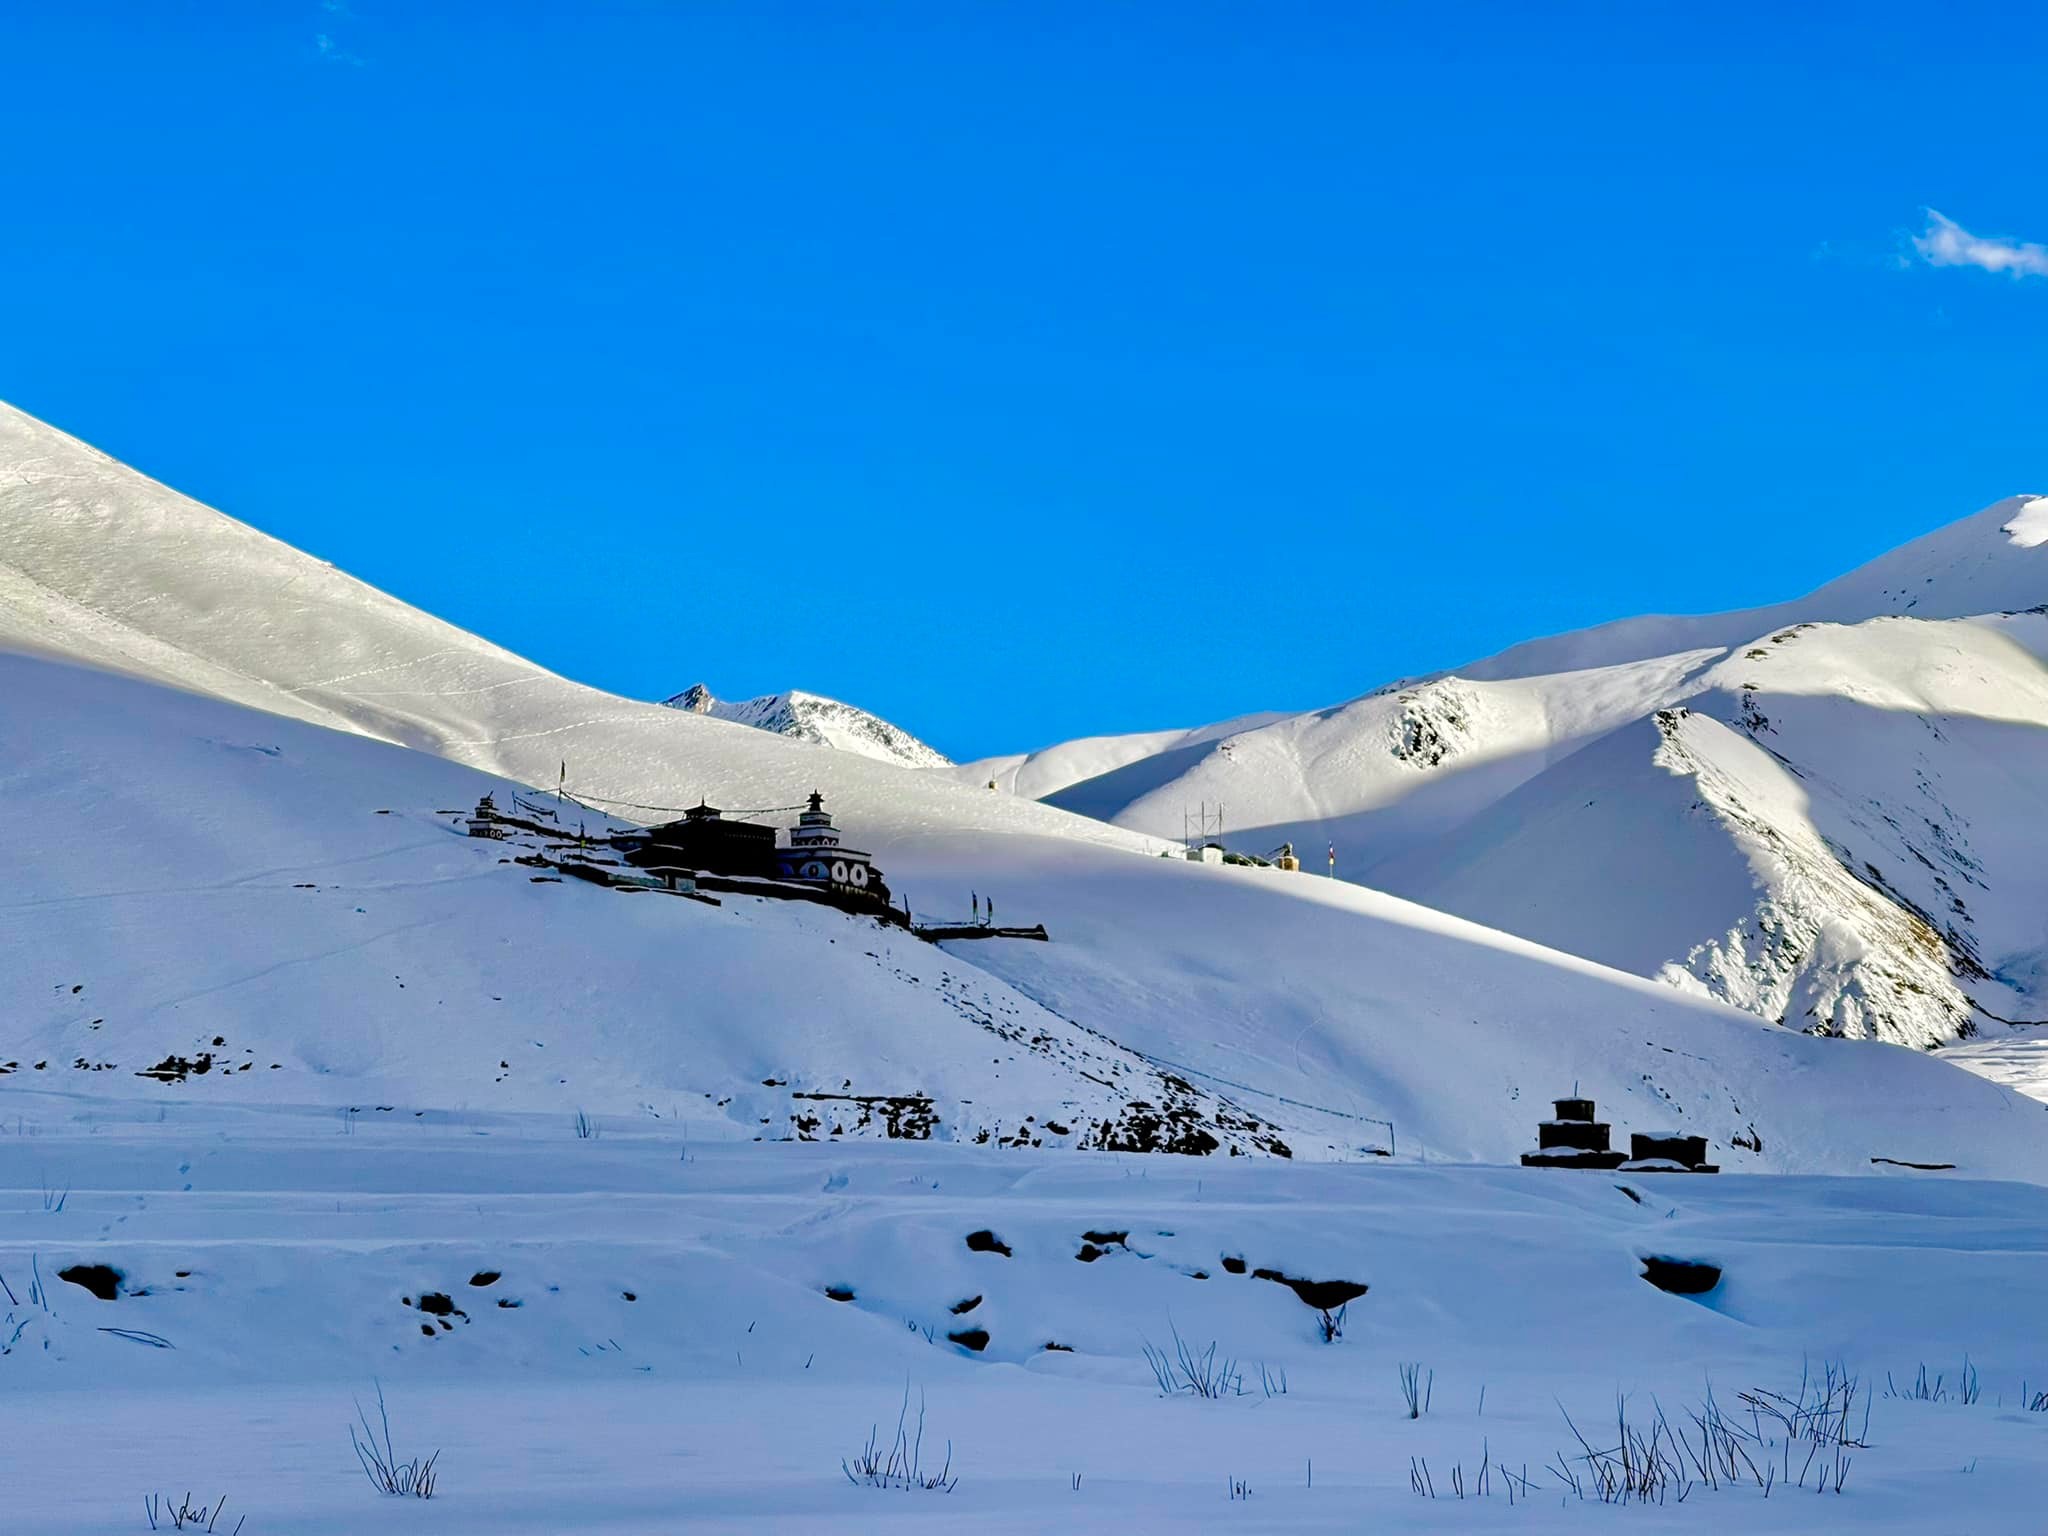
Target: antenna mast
1199 827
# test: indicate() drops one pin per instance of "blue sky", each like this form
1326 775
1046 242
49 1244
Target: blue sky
1029 372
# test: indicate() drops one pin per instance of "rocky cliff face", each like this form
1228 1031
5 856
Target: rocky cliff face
1823 949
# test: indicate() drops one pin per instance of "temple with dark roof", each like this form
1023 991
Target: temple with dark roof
705 841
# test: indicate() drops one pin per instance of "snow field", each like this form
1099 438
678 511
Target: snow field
195 880
725 1392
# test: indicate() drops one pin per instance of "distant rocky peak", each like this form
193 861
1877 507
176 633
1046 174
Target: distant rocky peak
696 699
812 717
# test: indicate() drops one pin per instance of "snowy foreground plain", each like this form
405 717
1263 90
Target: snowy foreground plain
275 1252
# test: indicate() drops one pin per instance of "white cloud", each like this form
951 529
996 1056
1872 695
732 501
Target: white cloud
1945 243
332 52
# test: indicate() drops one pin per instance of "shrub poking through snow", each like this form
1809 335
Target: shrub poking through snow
1417 1389
1966 1390
15 1322
1653 1462
1479 1486
184 1515
903 1464
165 1515
1821 1410
1799 1439
1648 1462
1188 1372
413 1479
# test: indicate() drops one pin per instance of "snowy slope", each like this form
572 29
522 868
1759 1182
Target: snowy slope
1037 775
193 884
101 564
1384 770
1846 831
1413 749
1879 829
1676 847
811 717
258 911
1988 562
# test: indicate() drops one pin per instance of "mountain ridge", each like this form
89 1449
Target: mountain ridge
812 717
1404 781
213 848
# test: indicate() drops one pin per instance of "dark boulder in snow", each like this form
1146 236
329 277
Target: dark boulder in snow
102 1280
1323 1295
1681 1277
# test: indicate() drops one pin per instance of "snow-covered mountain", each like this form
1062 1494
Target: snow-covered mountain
814 718
102 565
1827 811
187 875
1988 562
1844 828
1042 774
304 1086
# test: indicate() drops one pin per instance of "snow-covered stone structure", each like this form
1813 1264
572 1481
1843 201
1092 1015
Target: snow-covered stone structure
817 856
1572 1138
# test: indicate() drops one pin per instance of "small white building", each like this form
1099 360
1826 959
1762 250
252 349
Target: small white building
816 854
483 822
1207 853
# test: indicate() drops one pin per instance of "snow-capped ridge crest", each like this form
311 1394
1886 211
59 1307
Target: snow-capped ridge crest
2029 528
814 718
